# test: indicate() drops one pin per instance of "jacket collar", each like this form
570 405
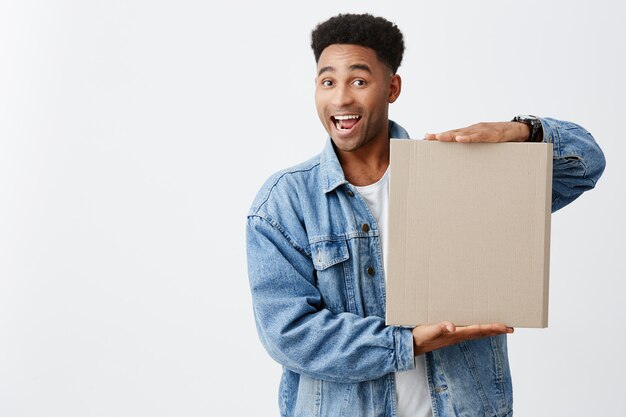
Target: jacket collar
332 173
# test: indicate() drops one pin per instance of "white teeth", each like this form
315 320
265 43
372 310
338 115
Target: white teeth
338 119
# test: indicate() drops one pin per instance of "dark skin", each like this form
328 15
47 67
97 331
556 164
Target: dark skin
485 132
353 90
352 82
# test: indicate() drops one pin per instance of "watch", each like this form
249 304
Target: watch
535 126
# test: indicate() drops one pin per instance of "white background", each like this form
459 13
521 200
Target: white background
135 134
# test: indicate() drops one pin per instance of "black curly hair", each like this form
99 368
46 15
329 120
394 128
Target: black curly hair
376 33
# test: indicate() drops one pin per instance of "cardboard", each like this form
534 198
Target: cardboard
469 233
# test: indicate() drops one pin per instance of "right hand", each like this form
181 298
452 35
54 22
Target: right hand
429 337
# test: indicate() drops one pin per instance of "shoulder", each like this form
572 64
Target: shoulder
282 188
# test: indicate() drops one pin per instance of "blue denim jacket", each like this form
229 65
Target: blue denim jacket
321 315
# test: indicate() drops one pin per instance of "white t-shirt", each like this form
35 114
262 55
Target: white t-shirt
412 393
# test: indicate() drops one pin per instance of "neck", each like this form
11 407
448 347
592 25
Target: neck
366 165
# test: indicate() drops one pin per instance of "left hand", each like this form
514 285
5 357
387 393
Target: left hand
429 337
485 132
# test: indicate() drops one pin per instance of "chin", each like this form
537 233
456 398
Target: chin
347 145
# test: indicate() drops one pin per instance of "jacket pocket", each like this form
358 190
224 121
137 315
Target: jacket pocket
332 274
318 398
327 253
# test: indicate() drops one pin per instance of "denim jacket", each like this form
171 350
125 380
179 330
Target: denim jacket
321 315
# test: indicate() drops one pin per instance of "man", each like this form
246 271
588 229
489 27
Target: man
315 251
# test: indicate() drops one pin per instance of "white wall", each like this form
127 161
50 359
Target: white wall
135 134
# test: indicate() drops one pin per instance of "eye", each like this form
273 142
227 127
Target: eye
359 83
327 83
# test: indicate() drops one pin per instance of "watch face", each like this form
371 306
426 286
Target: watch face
533 122
527 117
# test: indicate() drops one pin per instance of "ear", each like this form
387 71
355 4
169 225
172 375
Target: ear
395 87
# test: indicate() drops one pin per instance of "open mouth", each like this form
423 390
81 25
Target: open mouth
345 122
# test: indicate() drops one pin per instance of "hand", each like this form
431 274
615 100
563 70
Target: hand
429 337
485 132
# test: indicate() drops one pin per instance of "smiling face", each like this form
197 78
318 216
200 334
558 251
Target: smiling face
353 90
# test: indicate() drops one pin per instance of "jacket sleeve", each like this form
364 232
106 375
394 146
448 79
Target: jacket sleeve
298 332
578 161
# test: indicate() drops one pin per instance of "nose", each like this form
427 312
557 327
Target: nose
342 96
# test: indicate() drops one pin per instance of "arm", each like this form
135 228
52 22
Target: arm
298 332
578 161
310 340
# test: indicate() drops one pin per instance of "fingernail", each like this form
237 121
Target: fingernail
460 138
450 328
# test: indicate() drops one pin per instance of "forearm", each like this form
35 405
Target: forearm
341 348
302 335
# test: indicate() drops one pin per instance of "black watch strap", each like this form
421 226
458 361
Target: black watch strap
535 126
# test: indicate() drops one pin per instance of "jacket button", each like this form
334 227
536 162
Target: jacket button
350 193
370 270
365 227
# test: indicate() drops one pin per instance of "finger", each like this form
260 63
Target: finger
429 332
499 327
477 331
481 330
433 331
452 135
446 136
449 326
475 137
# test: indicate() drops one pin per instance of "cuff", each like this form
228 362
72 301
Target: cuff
549 135
403 341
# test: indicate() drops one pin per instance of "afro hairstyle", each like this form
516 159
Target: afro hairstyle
366 30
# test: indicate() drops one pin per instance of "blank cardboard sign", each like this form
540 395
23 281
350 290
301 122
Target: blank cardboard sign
469 233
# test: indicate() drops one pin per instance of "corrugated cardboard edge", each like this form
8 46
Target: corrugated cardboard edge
548 237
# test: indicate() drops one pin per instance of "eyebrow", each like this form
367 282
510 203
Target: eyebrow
354 67
362 67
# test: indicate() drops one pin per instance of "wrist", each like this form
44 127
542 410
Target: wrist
534 126
522 132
